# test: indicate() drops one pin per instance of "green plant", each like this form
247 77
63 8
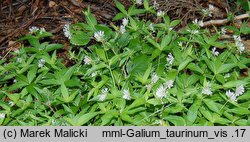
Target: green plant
138 73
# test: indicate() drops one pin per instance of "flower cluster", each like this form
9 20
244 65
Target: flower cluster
99 36
160 13
66 31
238 91
170 59
139 2
41 63
2 115
104 94
239 44
215 53
207 12
36 29
162 89
200 23
87 60
207 89
156 5
124 24
126 94
154 79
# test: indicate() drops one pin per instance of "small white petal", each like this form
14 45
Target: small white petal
160 13
126 95
41 63
66 31
2 115
87 60
207 89
125 21
122 29
239 90
216 53
231 95
33 29
169 84
170 59
161 92
154 78
99 35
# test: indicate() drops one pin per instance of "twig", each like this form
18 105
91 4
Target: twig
224 21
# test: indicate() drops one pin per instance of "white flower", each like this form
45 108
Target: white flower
139 2
180 44
200 23
41 63
66 31
195 21
155 5
216 53
169 84
160 13
87 60
2 115
227 75
151 27
18 60
207 12
33 29
99 35
122 29
231 95
42 30
211 7
126 95
223 31
194 32
11 103
94 74
239 90
125 21
154 78
14 81
207 89
160 92
238 43
170 59
103 96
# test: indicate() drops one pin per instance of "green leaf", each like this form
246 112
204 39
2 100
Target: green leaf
114 59
120 7
192 112
79 38
65 93
165 41
206 113
184 64
95 68
226 68
32 74
52 47
235 83
211 105
101 54
240 111
176 120
139 65
175 23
